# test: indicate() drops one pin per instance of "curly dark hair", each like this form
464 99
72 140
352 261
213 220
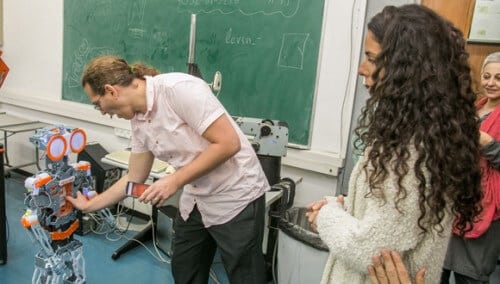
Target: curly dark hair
422 100
113 70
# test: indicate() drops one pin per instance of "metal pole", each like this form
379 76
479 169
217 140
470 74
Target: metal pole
3 217
192 39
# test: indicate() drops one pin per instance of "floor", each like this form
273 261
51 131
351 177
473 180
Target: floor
139 265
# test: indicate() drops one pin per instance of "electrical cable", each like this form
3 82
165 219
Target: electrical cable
158 255
121 233
7 230
213 276
155 246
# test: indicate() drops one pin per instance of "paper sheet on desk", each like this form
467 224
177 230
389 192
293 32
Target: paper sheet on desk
158 166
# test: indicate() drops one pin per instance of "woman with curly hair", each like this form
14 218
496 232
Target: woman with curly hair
474 258
420 165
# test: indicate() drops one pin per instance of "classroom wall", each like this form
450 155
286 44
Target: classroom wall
33 50
461 14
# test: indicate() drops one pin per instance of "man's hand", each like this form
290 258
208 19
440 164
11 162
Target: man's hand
79 202
160 191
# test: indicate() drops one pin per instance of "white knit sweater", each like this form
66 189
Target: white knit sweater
365 225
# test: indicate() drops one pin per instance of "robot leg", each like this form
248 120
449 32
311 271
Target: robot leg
49 269
78 263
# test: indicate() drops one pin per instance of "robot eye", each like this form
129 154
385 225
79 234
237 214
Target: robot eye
56 147
77 140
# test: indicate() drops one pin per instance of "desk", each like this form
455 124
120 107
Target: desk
147 233
11 125
271 196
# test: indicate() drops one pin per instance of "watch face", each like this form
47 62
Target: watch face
77 140
56 147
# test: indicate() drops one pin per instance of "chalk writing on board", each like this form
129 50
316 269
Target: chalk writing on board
285 8
292 50
136 19
80 57
233 39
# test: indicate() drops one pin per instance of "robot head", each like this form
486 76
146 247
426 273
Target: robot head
54 140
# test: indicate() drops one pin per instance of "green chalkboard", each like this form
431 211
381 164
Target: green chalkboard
266 50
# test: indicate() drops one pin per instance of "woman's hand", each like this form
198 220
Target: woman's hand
312 212
388 268
340 200
484 138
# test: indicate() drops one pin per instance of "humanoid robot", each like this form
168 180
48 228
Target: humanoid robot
50 219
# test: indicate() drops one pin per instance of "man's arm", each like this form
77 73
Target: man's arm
138 171
224 142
